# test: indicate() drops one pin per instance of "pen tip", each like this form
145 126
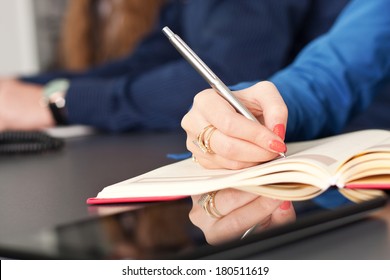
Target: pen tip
283 155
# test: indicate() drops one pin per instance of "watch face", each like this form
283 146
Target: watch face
55 87
58 98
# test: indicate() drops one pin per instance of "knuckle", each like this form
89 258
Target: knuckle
197 99
237 224
259 138
226 125
189 144
267 206
184 122
195 215
212 238
201 97
283 110
268 85
225 148
231 196
280 110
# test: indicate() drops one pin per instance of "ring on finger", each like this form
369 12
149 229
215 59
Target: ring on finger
207 202
207 139
203 139
212 207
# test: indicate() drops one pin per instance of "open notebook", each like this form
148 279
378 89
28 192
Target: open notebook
357 163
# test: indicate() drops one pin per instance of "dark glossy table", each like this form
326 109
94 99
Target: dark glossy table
46 190
49 189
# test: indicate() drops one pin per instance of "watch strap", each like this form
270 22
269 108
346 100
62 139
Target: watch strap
54 94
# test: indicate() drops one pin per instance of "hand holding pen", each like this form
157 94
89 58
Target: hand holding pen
237 142
233 131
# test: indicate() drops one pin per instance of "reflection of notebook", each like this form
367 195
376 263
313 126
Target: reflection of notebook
163 230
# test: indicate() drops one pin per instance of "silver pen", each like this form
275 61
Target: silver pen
208 75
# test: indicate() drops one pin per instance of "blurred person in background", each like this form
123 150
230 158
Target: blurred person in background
153 87
95 32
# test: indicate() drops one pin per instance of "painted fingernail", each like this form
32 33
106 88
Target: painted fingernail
280 130
285 205
278 146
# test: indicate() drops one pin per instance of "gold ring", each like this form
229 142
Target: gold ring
213 209
203 199
204 202
207 202
203 139
208 134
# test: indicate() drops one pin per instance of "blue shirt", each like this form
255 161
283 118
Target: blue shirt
337 76
154 87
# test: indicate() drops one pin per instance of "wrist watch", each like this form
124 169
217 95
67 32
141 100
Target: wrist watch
54 94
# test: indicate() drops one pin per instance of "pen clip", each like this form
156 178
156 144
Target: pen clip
190 56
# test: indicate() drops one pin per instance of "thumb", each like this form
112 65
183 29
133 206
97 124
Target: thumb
274 109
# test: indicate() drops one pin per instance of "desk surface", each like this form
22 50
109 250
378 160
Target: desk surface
50 189
42 191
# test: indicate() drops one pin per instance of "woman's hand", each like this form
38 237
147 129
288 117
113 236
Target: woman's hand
237 142
21 106
239 212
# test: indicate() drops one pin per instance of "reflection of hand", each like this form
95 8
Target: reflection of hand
240 211
21 107
238 142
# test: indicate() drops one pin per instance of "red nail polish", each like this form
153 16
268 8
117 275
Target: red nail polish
280 130
285 205
277 146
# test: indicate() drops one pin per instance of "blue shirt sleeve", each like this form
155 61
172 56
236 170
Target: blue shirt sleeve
337 75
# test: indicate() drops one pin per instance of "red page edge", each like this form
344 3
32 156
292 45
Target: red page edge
94 200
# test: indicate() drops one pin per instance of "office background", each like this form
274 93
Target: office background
29 33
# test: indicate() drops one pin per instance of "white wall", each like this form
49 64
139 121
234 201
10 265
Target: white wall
18 47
